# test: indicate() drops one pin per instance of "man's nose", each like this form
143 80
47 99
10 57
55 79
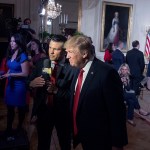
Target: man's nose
51 50
67 56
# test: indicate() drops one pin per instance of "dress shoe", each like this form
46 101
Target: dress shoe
147 88
131 122
144 113
141 85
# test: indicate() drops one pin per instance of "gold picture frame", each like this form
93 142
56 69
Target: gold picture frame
116 24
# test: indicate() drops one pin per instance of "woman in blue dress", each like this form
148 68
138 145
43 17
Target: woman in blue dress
15 96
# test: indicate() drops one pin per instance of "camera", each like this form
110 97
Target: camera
24 26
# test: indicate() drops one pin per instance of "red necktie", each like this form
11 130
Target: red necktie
76 100
54 73
53 80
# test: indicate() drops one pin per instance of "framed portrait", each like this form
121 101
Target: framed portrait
116 24
6 14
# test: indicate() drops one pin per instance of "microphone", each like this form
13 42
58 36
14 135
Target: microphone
46 71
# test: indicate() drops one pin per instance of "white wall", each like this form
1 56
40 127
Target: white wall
26 9
91 21
19 11
91 17
29 8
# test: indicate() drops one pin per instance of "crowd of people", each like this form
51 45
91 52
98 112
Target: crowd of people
81 96
131 70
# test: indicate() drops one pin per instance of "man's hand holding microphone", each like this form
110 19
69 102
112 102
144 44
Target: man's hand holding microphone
44 79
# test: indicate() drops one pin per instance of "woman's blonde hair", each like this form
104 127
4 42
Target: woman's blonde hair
124 65
127 76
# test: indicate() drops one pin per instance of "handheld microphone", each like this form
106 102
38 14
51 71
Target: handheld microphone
46 71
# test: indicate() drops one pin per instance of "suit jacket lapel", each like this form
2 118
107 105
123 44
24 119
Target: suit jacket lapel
62 65
87 82
59 70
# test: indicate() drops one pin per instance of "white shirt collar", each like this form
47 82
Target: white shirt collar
88 65
86 69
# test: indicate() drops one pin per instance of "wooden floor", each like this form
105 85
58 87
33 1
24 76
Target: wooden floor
139 136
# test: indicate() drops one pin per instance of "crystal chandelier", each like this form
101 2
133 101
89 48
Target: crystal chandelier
53 10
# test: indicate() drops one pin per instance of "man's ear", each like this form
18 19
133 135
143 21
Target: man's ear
85 54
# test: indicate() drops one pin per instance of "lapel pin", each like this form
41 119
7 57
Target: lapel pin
92 73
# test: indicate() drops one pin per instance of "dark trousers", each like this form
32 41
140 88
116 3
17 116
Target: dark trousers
132 103
135 82
11 115
57 116
95 145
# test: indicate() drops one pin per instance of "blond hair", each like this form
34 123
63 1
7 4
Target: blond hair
124 65
128 73
79 41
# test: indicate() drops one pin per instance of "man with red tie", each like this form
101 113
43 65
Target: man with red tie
52 98
98 110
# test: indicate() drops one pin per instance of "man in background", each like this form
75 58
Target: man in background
27 31
135 60
117 56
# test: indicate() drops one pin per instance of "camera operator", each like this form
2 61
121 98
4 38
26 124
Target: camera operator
27 32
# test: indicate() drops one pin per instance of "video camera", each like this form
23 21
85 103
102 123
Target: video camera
25 26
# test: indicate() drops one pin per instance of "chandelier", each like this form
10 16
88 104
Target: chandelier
53 10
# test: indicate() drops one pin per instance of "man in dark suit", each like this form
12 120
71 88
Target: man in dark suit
51 99
135 60
98 110
117 56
